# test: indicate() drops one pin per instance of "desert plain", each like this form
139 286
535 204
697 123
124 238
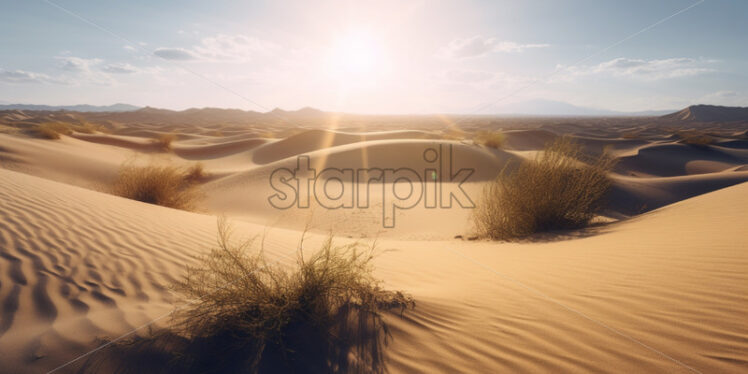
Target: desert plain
658 282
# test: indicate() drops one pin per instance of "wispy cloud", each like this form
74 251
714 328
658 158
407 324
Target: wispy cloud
71 70
77 64
220 48
119 68
233 48
174 54
84 70
725 97
22 76
477 46
642 69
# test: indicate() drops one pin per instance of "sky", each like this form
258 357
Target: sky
473 57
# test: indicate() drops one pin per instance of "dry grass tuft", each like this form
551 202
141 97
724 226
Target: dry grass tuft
52 130
323 315
560 189
195 173
86 128
631 135
696 138
492 139
164 141
168 186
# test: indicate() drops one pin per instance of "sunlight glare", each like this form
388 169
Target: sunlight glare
355 56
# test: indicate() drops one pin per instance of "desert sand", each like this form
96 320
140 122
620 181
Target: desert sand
660 284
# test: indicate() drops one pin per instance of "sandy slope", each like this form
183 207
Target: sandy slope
77 264
661 291
653 171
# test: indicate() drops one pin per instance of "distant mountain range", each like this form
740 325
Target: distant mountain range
559 108
709 113
694 113
72 108
525 108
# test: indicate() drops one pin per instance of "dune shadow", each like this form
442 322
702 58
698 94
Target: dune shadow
353 343
593 229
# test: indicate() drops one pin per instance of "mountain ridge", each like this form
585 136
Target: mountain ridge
709 113
118 107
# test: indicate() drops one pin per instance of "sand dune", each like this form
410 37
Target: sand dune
79 264
661 287
666 160
312 140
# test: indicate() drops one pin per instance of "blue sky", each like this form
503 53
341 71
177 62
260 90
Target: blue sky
374 57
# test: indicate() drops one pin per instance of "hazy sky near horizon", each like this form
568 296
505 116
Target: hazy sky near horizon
374 57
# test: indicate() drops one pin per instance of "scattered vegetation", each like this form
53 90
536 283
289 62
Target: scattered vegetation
195 173
453 133
492 139
52 130
631 135
249 315
164 141
561 188
165 185
696 138
86 128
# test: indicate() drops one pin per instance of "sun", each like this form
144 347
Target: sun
357 55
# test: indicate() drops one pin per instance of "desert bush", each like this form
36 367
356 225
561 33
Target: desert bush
696 138
195 173
631 135
52 130
492 139
561 188
246 314
86 128
165 185
164 141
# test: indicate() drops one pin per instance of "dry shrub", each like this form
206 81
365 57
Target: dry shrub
196 173
696 138
249 315
492 139
561 188
165 185
86 128
164 141
631 135
52 130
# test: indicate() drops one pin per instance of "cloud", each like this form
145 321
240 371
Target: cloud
220 48
643 69
175 54
724 94
723 98
119 68
22 76
477 46
77 64
85 70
